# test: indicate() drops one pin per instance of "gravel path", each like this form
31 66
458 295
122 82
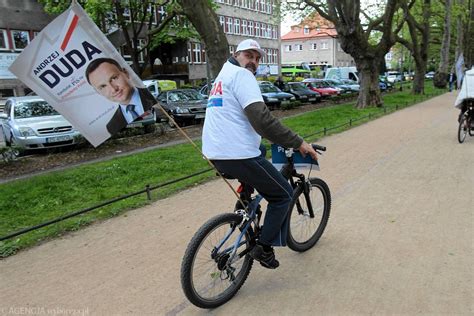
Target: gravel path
399 240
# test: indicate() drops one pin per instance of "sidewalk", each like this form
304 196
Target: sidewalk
399 240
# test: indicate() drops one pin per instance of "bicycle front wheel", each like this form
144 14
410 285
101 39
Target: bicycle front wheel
208 278
306 227
463 129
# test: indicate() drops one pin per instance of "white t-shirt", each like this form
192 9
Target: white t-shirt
227 133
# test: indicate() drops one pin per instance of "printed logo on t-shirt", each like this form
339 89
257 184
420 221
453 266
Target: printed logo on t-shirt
215 97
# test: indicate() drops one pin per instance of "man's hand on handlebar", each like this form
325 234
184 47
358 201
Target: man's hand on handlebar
306 148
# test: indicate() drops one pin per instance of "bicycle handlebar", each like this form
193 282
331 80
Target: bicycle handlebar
318 147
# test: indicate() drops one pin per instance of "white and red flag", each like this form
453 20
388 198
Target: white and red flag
54 63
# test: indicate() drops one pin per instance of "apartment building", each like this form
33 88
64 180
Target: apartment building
242 19
185 60
20 21
314 42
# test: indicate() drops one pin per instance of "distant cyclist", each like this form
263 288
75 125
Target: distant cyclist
236 120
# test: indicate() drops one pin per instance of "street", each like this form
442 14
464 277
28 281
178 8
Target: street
399 239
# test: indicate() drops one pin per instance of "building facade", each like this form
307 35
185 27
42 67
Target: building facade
314 42
242 19
182 61
20 21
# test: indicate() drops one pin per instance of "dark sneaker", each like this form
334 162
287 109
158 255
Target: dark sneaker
266 258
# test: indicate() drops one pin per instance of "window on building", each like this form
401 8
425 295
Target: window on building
244 27
257 29
275 56
231 49
324 45
275 32
288 48
20 39
222 22
197 52
161 13
252 4
7 93
269 31
229 25
236 26
152 11
141 44
306 29
4 40
126 14
298 47
264 30
251 29
314 46
257 5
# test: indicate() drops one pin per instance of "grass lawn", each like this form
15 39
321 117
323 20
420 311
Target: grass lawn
29 202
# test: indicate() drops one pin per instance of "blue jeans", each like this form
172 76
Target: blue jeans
268 181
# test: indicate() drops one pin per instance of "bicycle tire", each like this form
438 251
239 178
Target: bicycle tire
304 231
198 286
463 129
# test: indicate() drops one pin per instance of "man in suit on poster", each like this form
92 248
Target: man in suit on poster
113 82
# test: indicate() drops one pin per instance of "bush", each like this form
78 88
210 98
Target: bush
8 154
290 105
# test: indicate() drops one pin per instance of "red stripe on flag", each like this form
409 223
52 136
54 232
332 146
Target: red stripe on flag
69 32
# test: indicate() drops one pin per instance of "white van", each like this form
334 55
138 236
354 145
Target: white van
157 86
394 76
342 73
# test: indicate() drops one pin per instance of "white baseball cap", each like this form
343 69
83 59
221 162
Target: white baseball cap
250 44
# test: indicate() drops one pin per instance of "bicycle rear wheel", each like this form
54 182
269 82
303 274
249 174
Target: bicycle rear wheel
207 278
463 129
304 231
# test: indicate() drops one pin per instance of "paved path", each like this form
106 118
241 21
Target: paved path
399 240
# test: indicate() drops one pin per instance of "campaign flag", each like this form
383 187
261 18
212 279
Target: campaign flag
54 63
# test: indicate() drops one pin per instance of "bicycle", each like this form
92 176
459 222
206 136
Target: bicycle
466 121
216 262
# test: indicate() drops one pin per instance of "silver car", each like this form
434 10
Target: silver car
31 123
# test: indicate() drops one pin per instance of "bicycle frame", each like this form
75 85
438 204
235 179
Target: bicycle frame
249 215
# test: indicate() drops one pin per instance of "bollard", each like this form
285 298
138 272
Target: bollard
325 131
350 122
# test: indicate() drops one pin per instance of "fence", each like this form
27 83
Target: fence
149 188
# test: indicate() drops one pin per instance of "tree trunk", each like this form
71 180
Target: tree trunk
354 39
459 32
369 93
419 79
206 23
441 75
469 38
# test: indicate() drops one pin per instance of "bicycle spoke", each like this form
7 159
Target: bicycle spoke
210 277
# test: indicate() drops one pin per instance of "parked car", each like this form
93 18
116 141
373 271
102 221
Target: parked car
31 123
351 84
301 92
274 97
429 75
339 84
185 106
321 87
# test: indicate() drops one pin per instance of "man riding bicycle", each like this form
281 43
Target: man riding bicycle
236 120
